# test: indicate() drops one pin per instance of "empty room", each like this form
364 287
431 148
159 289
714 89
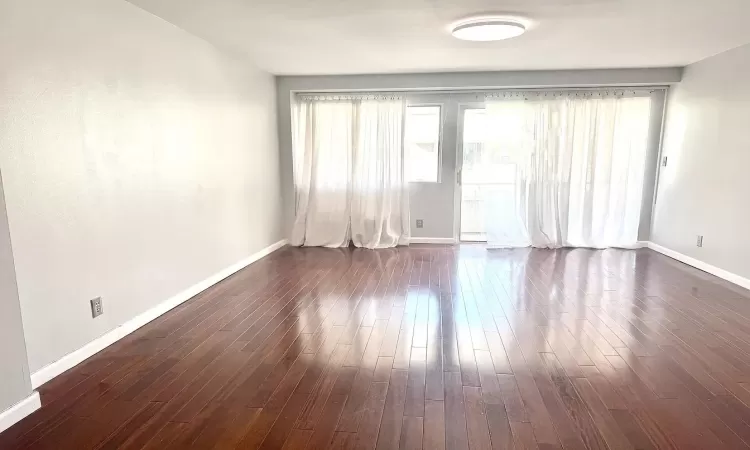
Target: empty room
439 225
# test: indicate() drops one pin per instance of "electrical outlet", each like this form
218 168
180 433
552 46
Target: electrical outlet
664 162
420 223
699 241
96 307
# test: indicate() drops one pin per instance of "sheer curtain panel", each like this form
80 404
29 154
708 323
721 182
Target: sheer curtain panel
349 172
579 160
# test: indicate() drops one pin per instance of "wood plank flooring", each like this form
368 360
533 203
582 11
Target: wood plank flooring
434 347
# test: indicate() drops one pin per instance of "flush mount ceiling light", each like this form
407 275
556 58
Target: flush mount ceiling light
488 29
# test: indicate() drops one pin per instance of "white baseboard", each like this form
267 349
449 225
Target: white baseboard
698 264
20 410
429 240
70 360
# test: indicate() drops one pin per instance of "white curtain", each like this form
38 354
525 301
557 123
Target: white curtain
574 165
349 172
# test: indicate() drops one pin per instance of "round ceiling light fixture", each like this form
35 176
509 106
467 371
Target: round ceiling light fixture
488 29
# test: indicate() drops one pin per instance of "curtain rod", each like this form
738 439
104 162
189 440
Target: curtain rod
469 91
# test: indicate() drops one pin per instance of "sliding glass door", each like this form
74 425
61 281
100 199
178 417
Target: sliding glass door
487 176
553 169
471 182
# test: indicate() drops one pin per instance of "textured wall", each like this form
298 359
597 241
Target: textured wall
137 160
705 187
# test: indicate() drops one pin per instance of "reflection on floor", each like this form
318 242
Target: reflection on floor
423 347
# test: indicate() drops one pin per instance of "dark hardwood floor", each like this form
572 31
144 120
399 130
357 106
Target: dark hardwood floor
422 347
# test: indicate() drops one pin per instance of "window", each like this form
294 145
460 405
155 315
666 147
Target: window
422 143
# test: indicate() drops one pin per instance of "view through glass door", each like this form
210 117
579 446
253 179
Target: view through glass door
488 176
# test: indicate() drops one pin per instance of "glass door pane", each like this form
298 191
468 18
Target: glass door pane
488 176
472 211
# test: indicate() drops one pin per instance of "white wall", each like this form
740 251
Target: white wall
434 203
137 159
14 370
705 188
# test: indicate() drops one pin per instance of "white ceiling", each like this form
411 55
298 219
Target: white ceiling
304 37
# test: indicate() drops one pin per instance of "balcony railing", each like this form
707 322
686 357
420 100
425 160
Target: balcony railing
475 207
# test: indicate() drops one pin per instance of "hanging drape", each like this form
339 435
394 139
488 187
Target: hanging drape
578 160
349 172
